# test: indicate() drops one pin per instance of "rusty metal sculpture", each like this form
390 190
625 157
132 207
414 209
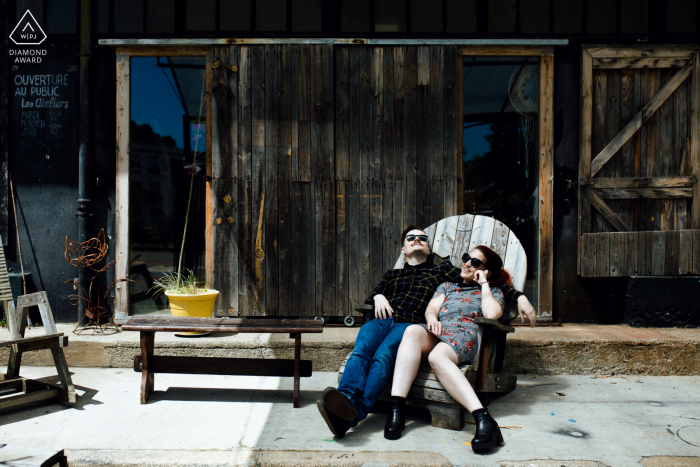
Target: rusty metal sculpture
89 254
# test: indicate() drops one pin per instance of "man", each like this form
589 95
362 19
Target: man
399 300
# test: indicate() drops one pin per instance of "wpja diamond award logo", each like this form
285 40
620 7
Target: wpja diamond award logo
28 32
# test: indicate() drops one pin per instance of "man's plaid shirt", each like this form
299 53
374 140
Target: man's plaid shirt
409 290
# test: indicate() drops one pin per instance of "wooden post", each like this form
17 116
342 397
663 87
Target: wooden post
147 376
297 359
546 260
584 201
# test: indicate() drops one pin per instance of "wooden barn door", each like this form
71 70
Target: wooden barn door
321 156
639 197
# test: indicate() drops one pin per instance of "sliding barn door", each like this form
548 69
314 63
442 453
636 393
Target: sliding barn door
639 198
321 156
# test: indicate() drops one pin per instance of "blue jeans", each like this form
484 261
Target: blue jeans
371 363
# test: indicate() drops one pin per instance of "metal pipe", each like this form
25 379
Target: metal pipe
84 152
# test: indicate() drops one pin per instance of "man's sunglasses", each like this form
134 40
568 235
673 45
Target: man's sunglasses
422 238
476 262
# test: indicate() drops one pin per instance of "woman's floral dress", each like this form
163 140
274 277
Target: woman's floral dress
462 304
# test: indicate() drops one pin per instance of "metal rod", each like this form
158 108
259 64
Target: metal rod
83 154
19 245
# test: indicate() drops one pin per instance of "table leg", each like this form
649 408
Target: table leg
147 344
297 359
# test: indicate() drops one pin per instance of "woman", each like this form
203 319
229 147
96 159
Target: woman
450 339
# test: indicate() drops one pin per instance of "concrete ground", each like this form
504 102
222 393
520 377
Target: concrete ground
227 420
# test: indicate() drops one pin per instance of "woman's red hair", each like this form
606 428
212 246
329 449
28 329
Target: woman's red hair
494 263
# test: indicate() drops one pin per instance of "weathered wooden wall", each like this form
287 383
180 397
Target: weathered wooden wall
321 156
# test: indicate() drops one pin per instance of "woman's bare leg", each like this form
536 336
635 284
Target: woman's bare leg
443 361
417 342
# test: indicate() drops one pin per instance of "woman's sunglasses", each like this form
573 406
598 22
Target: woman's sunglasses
476 262
422 238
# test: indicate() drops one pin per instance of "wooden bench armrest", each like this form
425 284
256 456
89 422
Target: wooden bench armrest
494 324
364 307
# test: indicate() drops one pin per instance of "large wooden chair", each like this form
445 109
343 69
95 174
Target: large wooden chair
449 239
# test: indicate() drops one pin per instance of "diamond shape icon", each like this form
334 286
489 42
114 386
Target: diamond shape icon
28 31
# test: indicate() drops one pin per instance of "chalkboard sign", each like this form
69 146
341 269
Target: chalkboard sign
44 98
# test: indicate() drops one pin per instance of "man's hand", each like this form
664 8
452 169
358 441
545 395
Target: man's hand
382 309
524 308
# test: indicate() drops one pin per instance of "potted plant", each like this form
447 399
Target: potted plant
187 296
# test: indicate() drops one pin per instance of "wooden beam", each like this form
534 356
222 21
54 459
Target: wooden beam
546 250
695 143
644 182
519 51
608 52
584 202
160 51
122 242
608 213
637 121
617 63
654 193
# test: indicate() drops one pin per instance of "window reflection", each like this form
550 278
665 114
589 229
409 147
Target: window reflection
500 141
167 146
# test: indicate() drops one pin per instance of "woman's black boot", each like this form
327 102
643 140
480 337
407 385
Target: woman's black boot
487 435
397 418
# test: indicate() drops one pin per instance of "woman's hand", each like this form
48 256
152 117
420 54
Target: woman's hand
435 327
481 276
524 308
382 309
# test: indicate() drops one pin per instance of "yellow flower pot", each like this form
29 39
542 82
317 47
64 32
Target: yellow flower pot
199 305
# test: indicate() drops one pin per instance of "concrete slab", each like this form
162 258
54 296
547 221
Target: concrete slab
574 349
220 420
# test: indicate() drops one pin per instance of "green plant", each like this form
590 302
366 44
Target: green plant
178 282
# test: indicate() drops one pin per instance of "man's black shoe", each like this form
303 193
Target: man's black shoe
336 424
336 402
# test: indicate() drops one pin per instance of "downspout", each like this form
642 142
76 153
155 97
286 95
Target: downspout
83 155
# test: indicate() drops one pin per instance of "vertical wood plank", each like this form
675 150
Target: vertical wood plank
681 147
257 85
584 198
329 249
398 127
304 254
271 114
631 253
437 58
499 241
641 148
695 146
375 232
284 111
316 127
423 143
122 243
271 199
665 165
289 239
437 201
589 256
343 307
410 128
354 89
342 113
658 252
318 234
356 295
225 239
617 254
451 120
365 285
246 274
649 263
224 110
627 151
245 121
600 135
546 251
672 254
305 113
365 111
294 98
258 226
389 253
397 218
602 255
653 208
376 112
388 121
271 248
642 254
685 256
696 250
327 114
462 237
612 125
